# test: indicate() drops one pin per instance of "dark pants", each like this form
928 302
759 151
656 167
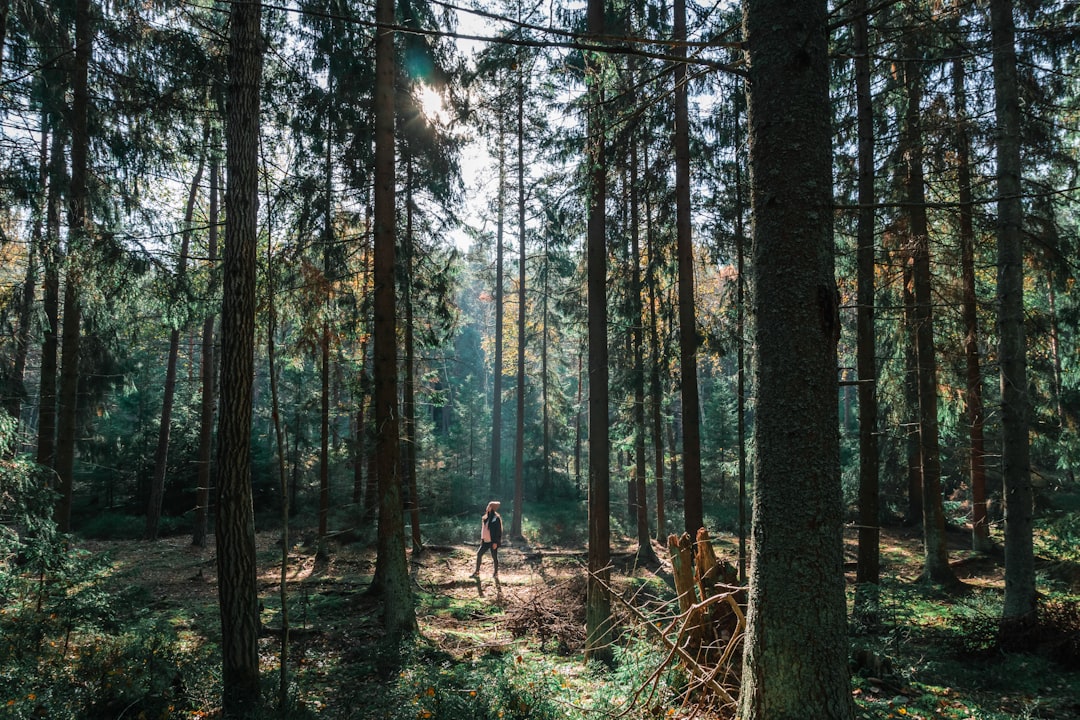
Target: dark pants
494 556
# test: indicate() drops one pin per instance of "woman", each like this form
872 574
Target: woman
490 537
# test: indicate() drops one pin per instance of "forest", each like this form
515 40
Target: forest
757 321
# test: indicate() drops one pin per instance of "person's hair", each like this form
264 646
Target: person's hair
492 506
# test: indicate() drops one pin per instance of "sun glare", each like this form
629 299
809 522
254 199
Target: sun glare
431 105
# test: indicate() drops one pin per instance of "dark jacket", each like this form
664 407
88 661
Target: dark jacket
494 523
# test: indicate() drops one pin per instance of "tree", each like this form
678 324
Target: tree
797 516
1019 611
867 573
78 249
936 559
391 569
976 416
234 528
208 372
688 331
161 454
598 601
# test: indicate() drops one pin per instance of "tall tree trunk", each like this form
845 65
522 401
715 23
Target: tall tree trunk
976 417
545 489
867 574
161 454
1018 614
50 262
645 549
78 247
234 527
936 554
208 374
598 601
519 436
578 431
740 382
798 518
391 568
497 362
912 442
324 344
409 391
359 444
656 360
688 334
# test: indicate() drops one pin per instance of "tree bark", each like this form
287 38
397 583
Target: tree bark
391 568
1018 614
598 602
688 334
234 525
409 446
796 645
656 361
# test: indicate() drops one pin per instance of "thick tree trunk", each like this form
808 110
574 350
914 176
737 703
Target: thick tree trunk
796 654
688 334
161 454
976 417
391 568
234 527
1019 612
598 602
208 374
912 443
936 555
868 568
78 247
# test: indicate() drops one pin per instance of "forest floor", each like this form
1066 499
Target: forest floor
513 644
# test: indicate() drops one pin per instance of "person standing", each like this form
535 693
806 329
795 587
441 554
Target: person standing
490 537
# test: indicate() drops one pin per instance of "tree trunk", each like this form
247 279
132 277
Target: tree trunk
598 602
912 443
78 247
645 549
867 575
324 346
656 361
391 568
497 362
208 375
409 391
688 334
519 437
161 454
234 527
797 518
976 417
936 559
50 260
1019 612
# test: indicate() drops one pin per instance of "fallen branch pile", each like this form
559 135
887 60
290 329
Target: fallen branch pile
706 635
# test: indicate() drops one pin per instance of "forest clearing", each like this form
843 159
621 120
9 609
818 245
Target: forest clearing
142 642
